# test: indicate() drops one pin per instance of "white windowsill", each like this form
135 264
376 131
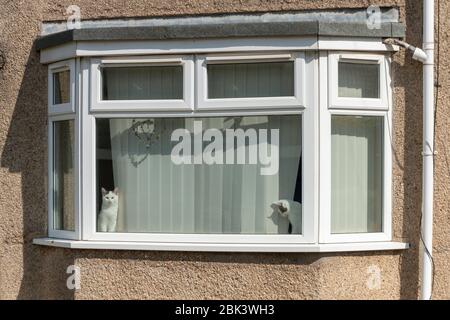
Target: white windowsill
217 247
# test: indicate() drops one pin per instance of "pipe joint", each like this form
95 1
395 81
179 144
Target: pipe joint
417 53
420 55
428 46
429 154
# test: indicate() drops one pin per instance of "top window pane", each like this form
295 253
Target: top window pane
61 87
359 80
142 83
249 80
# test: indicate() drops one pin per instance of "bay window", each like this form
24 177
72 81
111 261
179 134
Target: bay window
266 148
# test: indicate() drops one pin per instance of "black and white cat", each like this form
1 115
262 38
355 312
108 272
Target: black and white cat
107 218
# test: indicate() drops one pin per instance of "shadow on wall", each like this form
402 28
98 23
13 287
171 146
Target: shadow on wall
25 152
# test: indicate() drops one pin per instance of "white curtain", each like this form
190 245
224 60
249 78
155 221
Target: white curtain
358 80
356 174
157 195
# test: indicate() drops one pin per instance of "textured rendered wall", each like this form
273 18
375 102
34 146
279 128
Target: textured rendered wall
29 271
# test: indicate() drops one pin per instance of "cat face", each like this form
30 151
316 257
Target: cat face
110 197
279 208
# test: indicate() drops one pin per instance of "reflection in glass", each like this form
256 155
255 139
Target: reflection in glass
61 87
63 175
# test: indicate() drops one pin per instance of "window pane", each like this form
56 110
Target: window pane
238 186
356 174
61 87
244 80
63 175
142 83
358 80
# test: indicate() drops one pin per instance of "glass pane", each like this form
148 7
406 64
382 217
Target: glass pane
358 80
236 175
63 175
356 174
61 87
245 80
142 83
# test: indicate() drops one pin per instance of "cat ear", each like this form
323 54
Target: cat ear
276 204
116 190
104 191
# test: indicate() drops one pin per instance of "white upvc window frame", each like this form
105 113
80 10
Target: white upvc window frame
185 104
309 161
319 75
55 116
336 101
357 107
61 108
205 103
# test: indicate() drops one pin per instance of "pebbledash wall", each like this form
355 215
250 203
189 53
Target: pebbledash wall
31 271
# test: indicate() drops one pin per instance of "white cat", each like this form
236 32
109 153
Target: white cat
107 217
291 210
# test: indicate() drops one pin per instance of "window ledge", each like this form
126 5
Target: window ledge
216 247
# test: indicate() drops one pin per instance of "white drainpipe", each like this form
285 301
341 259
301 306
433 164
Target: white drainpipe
426 56
428 148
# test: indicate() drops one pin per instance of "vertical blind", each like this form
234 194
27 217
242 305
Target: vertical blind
157 195
243 80
358 80
356 174
142 83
